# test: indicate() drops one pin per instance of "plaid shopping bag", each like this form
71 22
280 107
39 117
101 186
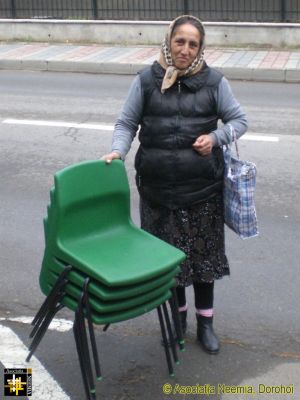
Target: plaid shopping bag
239 188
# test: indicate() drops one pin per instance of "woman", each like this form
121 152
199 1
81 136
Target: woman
177 102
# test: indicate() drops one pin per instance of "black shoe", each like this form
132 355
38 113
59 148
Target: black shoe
206 334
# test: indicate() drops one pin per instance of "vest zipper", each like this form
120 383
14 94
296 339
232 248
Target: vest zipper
179 87
178 114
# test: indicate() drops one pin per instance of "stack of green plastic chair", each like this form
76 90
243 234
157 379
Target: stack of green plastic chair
94 251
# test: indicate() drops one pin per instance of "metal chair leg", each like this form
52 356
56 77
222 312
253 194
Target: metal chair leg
52 304
165 341
42 330
80 351
91 330
47 311
170 334
175 315
85 346
50 298
45 323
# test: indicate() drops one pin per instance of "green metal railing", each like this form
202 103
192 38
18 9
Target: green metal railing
207 10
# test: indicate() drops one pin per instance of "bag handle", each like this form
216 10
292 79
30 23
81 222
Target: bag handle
227 152
233 136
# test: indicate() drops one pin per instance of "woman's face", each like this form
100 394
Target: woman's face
185 45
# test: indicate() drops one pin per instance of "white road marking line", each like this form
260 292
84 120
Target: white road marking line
61 124
13 354
260 138
57 324
108 127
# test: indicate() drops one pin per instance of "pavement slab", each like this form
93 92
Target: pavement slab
242 64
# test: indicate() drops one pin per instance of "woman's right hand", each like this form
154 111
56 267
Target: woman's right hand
114 155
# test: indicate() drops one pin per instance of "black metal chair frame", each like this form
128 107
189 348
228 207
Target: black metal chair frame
53 303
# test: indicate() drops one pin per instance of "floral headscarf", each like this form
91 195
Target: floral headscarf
165 59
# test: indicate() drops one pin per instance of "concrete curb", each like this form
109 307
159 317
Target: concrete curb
260 74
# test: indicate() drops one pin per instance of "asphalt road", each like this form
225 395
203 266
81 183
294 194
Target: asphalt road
257 308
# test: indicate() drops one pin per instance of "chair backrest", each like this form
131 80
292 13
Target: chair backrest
90 197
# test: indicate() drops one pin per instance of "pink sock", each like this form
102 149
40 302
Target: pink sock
205 313
183 308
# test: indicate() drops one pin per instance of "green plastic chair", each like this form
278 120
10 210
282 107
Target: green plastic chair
97 288
99 264
96 234
104 318
103 292
105 307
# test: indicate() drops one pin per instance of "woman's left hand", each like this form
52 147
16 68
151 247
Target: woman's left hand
203 144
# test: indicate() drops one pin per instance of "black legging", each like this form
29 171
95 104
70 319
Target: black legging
204 295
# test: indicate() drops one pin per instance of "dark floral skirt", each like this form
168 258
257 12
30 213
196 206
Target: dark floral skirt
198 231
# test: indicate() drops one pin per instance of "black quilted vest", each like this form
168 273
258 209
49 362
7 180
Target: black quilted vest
169 171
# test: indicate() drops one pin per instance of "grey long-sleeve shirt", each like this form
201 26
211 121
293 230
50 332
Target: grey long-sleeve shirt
127 124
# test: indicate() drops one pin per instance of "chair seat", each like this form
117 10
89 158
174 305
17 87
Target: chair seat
101 306
124 315
52 265
120 257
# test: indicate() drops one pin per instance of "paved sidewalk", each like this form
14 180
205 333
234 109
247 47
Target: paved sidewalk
248 64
